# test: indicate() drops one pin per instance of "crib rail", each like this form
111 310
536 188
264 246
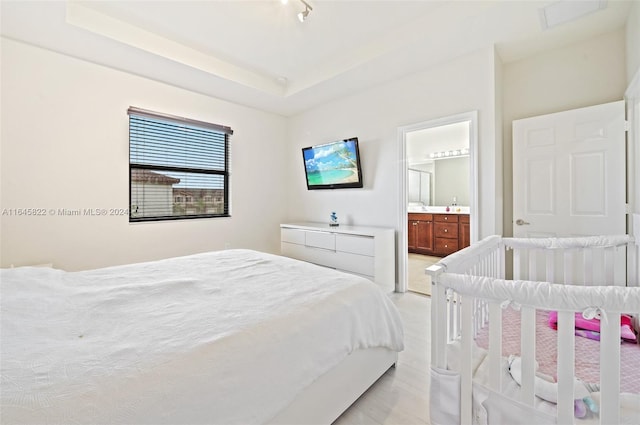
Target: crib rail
470 289
574 261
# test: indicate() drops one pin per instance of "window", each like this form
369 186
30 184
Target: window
173 160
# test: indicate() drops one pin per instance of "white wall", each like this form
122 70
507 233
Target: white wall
67 120
498 159
633 41
374 115
584 74
633 110
633 103
65 145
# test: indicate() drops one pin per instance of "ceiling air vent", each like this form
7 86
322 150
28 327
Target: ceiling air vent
564 11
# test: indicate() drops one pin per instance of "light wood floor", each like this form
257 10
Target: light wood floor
418 280
401 395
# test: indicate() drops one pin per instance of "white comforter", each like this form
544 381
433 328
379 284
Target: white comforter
222 337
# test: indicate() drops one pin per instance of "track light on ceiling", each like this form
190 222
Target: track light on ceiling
302 16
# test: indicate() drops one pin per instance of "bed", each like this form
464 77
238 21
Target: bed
508 342
226 337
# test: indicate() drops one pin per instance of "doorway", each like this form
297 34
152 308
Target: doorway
452 140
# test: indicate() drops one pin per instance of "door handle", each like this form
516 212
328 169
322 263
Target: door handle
521 222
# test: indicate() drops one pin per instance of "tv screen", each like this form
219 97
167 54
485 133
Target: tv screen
333 165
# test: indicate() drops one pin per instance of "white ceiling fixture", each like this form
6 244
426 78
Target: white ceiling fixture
565 11
302 16
453 153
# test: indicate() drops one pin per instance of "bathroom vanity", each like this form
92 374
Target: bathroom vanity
438 234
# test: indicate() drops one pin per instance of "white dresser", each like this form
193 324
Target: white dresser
365 251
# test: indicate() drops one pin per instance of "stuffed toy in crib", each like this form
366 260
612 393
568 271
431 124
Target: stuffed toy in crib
545 388
590 327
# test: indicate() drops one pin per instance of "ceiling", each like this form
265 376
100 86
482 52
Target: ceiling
258 54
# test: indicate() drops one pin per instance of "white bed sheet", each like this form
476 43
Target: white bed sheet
221 337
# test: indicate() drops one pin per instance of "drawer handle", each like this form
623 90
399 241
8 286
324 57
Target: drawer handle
446 246
446 218
446 230
319 248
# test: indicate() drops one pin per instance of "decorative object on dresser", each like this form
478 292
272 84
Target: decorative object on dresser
365 251
438 234
334 219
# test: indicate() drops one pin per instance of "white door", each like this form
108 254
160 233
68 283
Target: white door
569 173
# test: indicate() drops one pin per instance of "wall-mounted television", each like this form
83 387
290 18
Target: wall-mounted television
334 165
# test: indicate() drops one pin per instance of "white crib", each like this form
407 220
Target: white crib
471 291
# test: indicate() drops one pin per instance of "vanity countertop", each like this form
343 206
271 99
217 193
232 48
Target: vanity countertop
439 210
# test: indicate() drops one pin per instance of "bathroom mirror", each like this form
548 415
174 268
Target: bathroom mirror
438 166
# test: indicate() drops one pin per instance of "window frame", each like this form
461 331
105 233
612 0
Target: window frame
179 122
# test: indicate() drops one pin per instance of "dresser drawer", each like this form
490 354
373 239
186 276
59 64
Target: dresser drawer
323 240
363 245
446 246
321 257
293 250
420 217
445 218
360 264
446 230
292 236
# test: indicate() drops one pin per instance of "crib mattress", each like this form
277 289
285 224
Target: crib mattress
587 351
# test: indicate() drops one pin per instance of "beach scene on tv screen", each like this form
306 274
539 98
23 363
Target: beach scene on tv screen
332 164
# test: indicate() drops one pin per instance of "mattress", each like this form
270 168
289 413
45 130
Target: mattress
222 337
587 351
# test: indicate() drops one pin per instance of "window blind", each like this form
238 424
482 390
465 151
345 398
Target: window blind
178 167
